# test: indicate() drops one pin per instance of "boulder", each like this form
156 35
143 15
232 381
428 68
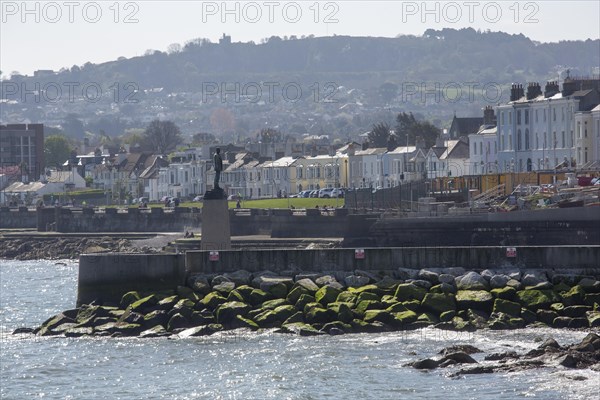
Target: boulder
184 307
347 297
515 284
356 281
296 317
546 316
378 315
420 283
591 299
508 307
459 357
590 285
506 293
234 295
406 273
273 304
303 300
367 296
278 290
301 329
534 299
155 331
342 310
363 306
145 304
284 312
487 274
575 311
266 319
203 317
533 277
156 317
408 291
438 303
219 279
472 281
387 284
593 318
447 316
574 296
177 321
307 284
188 293
258 296
129 298
239 277
200 331
295 294
227 312
263 282
327 294
475 299
430 276
78 332
199 284
319 315
443 288
212 300
401 319
325 280
499 281
396 307
224 288
446 278
454 271
167 303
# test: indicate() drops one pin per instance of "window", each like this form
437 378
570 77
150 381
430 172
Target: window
474 148
585 129
526 139
481 148
518 139
554 114
526 116
510 117
563 140
518 117
544 115
537 141
536 116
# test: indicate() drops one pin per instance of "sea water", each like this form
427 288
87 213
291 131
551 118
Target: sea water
249 365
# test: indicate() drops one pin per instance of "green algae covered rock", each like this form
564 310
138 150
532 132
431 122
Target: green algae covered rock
319 315
128 299
273 304
304 300
296 317
258 296
167 303
367 296
507 307
447 316
505 293
295 294
366 288
395 307
347 297
378 315
438 302
184 307
227 312
266 319
284 312
591 298
234 295
307 284
408 291
534 299
342 327
365 305
212 300
278 290
475 299
412 305
574 296
529 317
144 304
156 317
403 318
342 311
429 318
204 330
301 329
186 292
177 321
327 294
246 323
593 318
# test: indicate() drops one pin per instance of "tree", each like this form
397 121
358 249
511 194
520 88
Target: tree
73 126
57 150
270 135
379 135
162 136
407 124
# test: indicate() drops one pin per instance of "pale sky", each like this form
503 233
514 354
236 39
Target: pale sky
56 34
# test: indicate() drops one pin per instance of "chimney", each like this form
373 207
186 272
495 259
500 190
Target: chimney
516 92
569 87
419 143
365 145
533 90
439 142
489 118
230 157
351 149
551 89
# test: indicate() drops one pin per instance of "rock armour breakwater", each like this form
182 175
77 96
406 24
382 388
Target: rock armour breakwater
319 304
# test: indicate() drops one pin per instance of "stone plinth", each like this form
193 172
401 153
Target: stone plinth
216 233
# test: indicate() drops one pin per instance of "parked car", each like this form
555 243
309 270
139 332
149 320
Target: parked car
337 192
198 198
314 193
304 193
325 193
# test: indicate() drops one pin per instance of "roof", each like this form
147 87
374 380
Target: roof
465 125
21 187
488 131
403 149
371 151
59 176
